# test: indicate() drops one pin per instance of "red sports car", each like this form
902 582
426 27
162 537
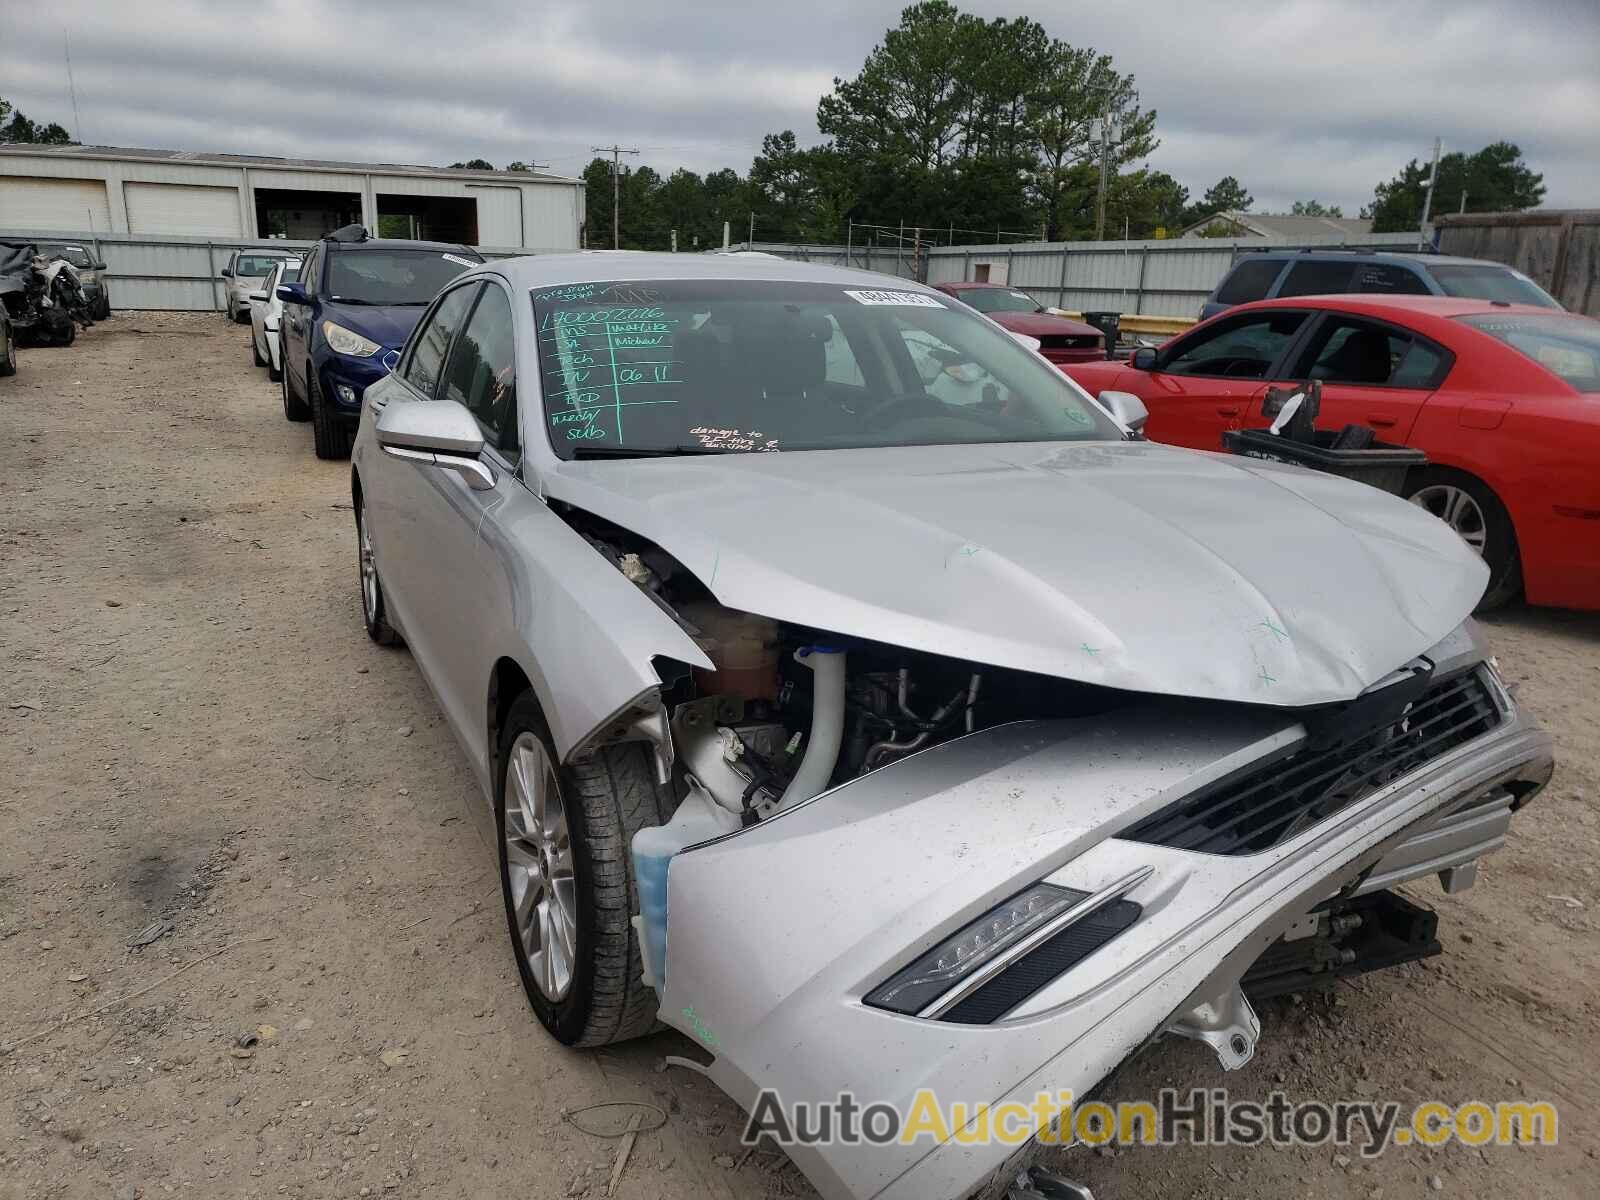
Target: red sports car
1060 340
1503 398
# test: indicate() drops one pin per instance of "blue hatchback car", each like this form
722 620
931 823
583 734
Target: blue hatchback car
358 298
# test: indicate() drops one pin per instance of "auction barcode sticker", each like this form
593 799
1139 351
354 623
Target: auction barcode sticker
456 258
912 298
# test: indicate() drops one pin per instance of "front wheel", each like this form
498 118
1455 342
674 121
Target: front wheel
294 408
1469 507
329 437
373 610
567 878
255 350
8 364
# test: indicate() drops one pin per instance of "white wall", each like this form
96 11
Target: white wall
536 214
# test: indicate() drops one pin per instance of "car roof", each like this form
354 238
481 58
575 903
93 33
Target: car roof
398 244
1393 306
1415 258
601 266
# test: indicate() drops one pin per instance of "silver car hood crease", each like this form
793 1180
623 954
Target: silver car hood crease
1130 565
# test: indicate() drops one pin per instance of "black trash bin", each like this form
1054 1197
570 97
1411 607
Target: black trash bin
1108 323
1379 464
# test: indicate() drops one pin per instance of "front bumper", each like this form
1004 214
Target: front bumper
901 857
344 380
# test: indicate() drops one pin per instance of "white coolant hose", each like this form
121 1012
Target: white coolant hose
827 723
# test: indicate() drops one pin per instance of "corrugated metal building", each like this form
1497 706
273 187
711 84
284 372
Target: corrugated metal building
112 190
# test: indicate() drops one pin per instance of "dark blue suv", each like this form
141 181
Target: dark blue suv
358 298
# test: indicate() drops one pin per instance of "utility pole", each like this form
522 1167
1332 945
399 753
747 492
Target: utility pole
1427 199
1107 131
616 153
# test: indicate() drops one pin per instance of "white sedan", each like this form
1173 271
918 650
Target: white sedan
266 311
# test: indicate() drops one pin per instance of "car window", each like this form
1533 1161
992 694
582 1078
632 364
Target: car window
1565 346
949 374
431 341
482 370
291 271
1349 351
993 300
1390 279
1314 278
1243 347
391 276
309 272
1489 281
1249 281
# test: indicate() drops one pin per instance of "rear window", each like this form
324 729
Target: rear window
1489 281
256 264
1390 280
1249 281
1318 278
1565 346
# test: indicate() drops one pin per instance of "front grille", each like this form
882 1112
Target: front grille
1266 803
1043 964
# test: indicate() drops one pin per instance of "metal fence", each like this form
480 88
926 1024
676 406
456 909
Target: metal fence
1166 278
178 274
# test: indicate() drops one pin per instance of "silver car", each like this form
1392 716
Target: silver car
878 740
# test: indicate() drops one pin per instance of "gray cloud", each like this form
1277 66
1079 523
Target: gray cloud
1298 98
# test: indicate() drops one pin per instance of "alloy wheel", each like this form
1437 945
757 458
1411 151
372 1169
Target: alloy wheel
369 570
1457 509
538 849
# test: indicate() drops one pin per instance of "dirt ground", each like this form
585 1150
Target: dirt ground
198 743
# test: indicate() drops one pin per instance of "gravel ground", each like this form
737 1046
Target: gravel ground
197 743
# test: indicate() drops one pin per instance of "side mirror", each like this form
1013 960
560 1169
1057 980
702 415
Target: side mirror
99 265
390 360
258 295
1127 408
438 433
225 273
292 293
1144 359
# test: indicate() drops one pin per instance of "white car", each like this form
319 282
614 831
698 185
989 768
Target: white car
266 311
245 272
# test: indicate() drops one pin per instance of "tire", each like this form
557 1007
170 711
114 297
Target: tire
255 350
603 802
103 309
274 373
294 408
68 335
8 364
373 610
330 439
1472 509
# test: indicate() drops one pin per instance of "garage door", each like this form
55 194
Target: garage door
53 205
183 210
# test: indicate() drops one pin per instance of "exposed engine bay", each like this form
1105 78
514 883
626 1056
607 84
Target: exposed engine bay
790 711
42 295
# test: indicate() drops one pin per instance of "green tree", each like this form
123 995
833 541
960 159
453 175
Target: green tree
473 164
1226 195
1494 179
19 129
1314 208
518 165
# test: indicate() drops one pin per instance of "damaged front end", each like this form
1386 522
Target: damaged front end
892 871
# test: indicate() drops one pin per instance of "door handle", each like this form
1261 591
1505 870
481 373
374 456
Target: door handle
1226 411
1382 422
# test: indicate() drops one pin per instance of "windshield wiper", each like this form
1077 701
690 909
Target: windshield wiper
353 300
643 451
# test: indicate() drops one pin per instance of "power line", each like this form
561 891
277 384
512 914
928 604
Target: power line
616 153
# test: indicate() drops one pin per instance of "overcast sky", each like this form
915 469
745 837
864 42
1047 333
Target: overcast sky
1298 98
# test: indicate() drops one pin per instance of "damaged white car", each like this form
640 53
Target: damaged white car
880 739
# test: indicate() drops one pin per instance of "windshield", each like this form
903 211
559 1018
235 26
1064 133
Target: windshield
76 255
1489 282
993 300
391 276
256 264
739 365
1566 346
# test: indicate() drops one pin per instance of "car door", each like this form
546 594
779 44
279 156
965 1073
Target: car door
296 321
1372 373
1213 379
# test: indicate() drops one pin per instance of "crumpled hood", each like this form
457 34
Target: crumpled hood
1043 325
1131 565
388 325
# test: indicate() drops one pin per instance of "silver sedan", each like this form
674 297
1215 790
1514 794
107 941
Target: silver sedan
879 736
